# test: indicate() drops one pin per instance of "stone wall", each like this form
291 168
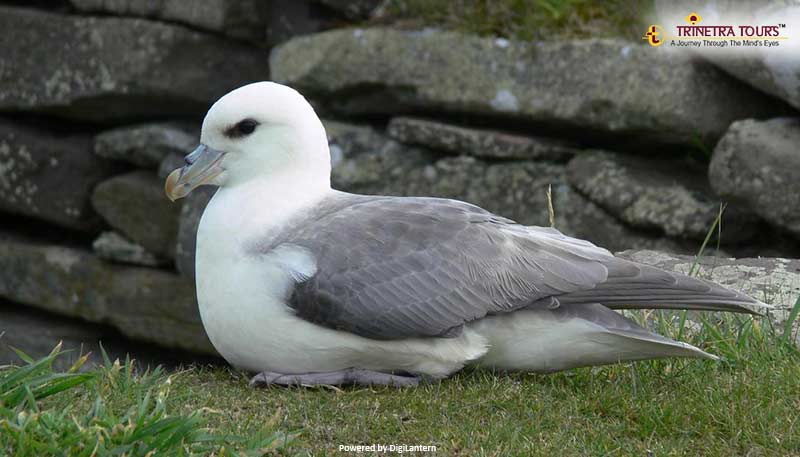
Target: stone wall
100 99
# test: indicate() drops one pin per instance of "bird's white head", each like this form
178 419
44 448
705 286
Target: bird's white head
259 132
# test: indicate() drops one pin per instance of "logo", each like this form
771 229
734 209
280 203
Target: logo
693 18
722 35
652 35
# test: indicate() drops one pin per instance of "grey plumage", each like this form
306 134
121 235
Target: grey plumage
401 267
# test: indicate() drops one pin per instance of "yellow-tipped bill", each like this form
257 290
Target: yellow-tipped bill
202 167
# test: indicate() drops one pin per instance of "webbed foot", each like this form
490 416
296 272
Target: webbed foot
350 376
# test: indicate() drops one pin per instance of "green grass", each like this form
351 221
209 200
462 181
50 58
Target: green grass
746 404
525 19
113 410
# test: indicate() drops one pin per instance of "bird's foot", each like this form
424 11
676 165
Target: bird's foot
350 376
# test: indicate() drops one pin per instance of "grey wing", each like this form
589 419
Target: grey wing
393 267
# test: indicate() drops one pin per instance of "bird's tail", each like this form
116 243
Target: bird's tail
581 328
543 340
635 286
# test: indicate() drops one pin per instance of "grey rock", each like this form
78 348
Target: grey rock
193 207
142 303
388 170
135 205
478 142
517 190
349 140
576 215
757 164
116 248
123 68
775 281
776 76
371 163
671 196
352 9
36 333
514 189
368 162
145 145
290 18
242 19
49 176
662 98
170 163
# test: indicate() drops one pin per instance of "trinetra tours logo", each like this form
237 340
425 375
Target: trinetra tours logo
652 35
699 34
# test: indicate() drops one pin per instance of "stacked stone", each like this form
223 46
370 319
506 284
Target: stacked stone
99 100
94 97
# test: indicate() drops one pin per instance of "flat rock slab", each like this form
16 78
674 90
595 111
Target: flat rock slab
146 145
142 303
483 143
242 19
116 248
49 176
517 190
577 216
105 69
349 140
666 99
191 212
671 196
758 164
36 333
776 76
136 206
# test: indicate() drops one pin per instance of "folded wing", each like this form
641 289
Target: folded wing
401 267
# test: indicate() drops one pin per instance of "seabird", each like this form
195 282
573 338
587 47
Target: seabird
304 284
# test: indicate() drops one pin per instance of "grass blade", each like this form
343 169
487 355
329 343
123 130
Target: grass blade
787 329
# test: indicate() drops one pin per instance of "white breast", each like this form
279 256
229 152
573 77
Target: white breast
242 305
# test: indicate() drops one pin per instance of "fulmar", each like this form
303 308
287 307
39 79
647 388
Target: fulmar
304 284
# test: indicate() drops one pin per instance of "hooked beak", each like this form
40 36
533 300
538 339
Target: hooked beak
202 167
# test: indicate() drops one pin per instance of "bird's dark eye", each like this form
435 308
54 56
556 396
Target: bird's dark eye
246 127
242 128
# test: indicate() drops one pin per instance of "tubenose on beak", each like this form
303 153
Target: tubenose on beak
203 165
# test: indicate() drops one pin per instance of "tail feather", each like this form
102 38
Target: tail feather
547 340
634 286
638 341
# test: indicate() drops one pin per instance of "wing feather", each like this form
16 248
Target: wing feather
402 267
